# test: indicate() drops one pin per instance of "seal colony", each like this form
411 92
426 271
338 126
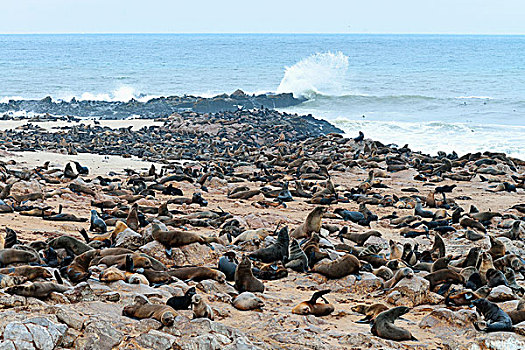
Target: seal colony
254 216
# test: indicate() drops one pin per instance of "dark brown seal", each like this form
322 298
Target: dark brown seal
383 325
341 267
244 279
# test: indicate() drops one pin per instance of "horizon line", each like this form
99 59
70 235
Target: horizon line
259 33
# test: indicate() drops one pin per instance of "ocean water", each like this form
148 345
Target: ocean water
434 92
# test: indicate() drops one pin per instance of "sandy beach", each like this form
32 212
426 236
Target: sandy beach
268 165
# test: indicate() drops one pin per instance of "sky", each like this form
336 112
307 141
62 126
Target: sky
266 16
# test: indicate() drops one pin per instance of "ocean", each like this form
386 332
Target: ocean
433 92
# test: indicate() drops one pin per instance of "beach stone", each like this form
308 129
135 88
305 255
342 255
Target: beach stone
8 301
156 340
35 333
447 321
81 292
99 335
128 239
413 292
158 251
21 189
349 284
71 318
366 341
498 341
501 293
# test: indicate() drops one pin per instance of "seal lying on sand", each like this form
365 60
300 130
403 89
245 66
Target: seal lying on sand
312 307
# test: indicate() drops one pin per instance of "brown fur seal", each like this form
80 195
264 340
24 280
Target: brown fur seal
200 308
384 272
370 311
341 267
247 301
312 307
72 245
405 272
438 249
361 238
269 272
132 221
441 263
462 298
179 238
78 270
312 224
468 222
141 309
517 316
312 250
12 256
484 264
28 272
37 289
497 248
396 252
197 273
244 279
444 276
120 261
383 325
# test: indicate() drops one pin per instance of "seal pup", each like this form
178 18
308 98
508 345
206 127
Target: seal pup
247 301
496 319
200 308
277 251
78 270
311 224
312 307
297 260
228 264
183 302
383 325
341 267
462 298
244 279
142 308
96 223
370 311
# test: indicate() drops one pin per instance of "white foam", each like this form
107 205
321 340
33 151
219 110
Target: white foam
321 73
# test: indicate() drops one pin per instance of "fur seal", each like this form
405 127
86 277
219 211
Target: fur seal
197 273
297 259
183 302
312 224
71 244
360 238
227 265
312 307
120 261
405 272
78 270
370 311
132 221
495 278
141 309
497 248
200 308
270 272
444 276
277 251
341 267
517 316
496 319
28 272
462 298
395 251
38 289
247 301
179 238
244 279
97 224
12 256
383 325
312 250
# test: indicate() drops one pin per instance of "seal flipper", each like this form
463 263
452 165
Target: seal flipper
58 277
413 338
130 266
367 319
169 252
84 235
319 294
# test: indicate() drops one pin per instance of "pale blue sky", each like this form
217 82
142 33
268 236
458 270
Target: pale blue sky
263 16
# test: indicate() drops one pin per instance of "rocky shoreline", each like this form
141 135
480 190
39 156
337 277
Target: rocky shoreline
155 108
235 183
